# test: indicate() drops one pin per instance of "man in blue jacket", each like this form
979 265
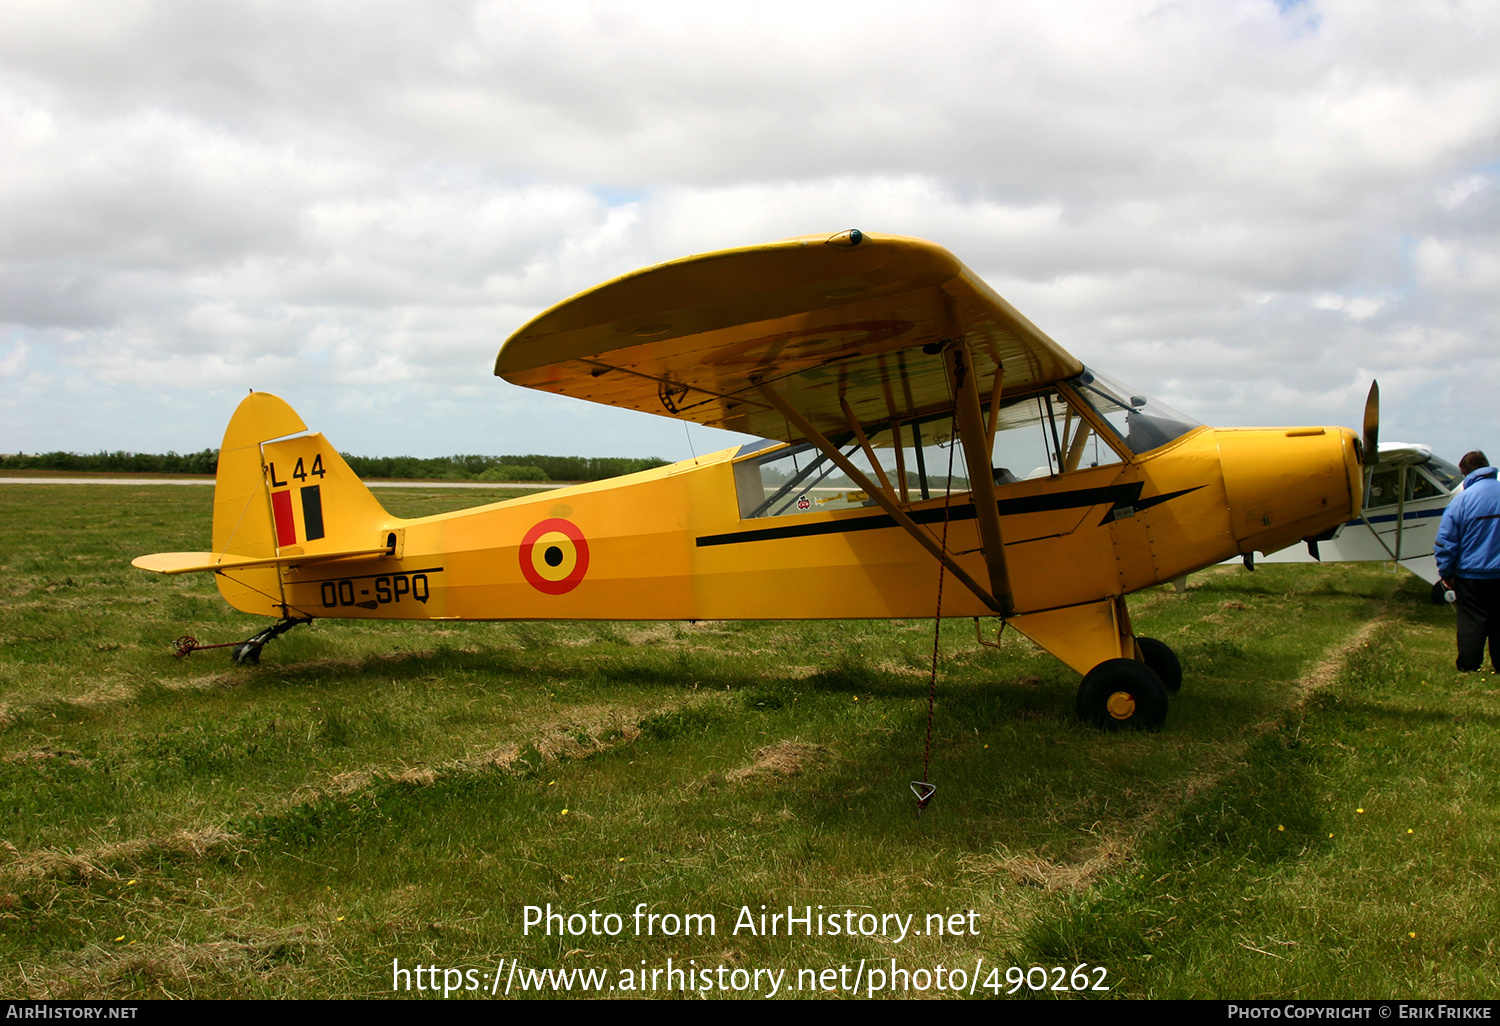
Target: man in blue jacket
1468 560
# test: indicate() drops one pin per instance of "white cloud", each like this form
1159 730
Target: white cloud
1459 266
1359 308
1454 195
13 363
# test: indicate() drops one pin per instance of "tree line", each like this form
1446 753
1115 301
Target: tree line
529 467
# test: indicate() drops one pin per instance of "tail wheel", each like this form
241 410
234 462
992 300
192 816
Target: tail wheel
246 654
1122 694
1164 661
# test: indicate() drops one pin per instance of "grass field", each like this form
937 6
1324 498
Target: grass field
1318 819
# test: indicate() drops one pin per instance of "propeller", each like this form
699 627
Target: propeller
1372 425
1369 450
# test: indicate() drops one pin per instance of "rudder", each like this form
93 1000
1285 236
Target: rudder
283 497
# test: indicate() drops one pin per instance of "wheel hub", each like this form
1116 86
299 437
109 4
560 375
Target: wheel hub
1121 705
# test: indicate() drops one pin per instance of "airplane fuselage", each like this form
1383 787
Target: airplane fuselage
671 543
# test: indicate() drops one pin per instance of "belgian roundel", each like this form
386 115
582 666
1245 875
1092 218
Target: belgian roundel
554 556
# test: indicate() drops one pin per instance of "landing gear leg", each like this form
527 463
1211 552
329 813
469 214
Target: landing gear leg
247 653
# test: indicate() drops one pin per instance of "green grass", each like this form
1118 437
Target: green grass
380 791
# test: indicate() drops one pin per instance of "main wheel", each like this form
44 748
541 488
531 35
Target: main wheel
1122 694
1164 661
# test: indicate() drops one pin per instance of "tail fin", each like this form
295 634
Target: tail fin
289 498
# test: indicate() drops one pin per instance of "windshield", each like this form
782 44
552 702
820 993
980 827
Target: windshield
1141 422
1444 471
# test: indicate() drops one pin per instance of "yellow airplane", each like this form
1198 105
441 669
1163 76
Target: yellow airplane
917 429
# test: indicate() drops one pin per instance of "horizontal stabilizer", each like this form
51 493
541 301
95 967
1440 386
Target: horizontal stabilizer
199 562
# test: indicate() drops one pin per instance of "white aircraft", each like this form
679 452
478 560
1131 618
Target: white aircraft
1404 503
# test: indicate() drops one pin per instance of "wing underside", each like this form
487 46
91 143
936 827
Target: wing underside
842 327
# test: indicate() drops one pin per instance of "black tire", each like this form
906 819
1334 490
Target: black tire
246 654
1164 661
1122 694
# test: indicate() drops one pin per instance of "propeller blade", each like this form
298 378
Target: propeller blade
1372 425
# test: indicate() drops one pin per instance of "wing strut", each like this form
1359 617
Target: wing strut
898 443
976 439
1400 507
994 422
1364 515
831 451
864 443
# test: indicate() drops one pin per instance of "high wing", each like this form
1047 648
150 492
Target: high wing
827 322
1409 453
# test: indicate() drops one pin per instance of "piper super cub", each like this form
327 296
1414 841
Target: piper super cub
914 424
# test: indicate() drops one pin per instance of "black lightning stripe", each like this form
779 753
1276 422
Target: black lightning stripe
1122 498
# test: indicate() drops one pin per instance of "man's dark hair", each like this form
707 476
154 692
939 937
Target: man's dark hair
1472 461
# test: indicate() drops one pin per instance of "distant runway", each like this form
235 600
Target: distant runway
209 481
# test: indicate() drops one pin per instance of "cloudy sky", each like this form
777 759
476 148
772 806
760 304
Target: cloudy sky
1247 209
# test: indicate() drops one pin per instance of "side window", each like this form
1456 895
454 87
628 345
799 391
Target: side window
799 479
1445 473
1044 435
927 449
1384 488
1036 436
1420 486
792 479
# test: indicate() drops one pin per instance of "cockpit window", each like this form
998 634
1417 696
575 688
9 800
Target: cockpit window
1035 436
798 478
1141 422
1044 434
1384 488
1424 487
1444 471
1421 482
